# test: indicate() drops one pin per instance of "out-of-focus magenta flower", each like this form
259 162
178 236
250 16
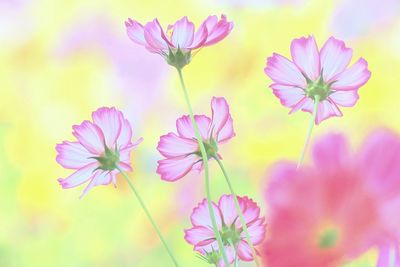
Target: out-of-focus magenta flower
103 146
323 214
357 18
380 160
389 255
182 150
323 73
180 39
143 90
201 235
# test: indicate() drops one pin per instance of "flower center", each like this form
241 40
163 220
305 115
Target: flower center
229 235
211 147
178 58
328 238
109 160
319 88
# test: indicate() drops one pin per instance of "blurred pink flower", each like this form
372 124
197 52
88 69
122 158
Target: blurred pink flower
141 91
312 73
201 235
323 214
389 256
257 5
182 150
176 44
102 147
357 18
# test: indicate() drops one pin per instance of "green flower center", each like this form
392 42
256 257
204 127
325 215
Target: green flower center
319 87
230 235
328 238
109 160
211 147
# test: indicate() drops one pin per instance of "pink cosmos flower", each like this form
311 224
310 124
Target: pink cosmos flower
324 214
323 73
180 39
103 146
201 235
182 152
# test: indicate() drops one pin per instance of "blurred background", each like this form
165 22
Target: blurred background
61 60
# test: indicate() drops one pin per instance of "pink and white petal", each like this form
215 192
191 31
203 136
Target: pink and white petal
244 251
331 152
220 115
352 78
72 155
289 96
182 33
249 209
125 153
125 166
345 98
226 132
306 56
326 109
230 255
256 231
200 236
201 215
185 128
109 120
155 37
303 102
217 30
100 178
90 136
172 145
79 177
335 57
173 169
125 135
135 32
283 71
228 209
200 37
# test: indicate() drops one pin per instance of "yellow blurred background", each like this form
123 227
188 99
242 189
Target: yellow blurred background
61 60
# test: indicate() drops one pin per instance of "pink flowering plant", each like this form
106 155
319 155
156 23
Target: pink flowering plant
178 43
317 81
201 235
102 149
181 151
322 214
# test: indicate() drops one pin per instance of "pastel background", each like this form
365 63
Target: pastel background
61 60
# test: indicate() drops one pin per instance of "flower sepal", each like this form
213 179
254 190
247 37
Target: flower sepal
212 257
179 58
108 161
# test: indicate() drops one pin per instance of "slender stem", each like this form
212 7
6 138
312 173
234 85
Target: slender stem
206 171
310 128
236 261
239 211
153 223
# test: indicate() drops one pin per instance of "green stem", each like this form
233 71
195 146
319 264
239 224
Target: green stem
236 261
206 171
239 211
310 128
153 223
